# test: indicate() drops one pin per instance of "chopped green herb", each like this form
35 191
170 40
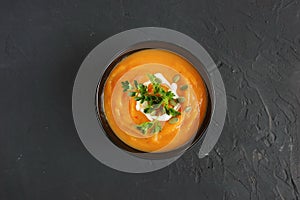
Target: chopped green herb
157 128
148 109
152 78
173 112
143 127
149 127
136 84
126 86
131 94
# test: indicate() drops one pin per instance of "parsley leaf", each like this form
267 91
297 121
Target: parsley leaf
126 86
149 127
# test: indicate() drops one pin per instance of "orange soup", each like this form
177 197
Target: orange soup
155 100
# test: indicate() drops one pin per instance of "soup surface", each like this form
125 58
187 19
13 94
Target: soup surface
154 100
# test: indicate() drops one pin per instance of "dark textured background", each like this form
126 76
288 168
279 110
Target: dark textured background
256 45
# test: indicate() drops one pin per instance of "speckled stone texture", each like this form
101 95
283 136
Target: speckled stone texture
256 45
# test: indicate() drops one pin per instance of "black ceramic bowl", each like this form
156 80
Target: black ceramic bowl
154 45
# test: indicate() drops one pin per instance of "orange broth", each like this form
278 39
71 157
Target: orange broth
121 112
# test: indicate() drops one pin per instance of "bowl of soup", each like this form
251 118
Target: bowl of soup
143 97
153 99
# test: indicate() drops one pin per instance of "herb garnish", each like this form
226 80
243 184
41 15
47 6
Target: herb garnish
152 127
155 95
158 101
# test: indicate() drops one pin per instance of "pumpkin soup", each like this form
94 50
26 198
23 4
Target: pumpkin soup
155 100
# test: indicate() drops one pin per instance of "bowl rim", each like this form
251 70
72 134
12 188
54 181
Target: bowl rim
175 49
